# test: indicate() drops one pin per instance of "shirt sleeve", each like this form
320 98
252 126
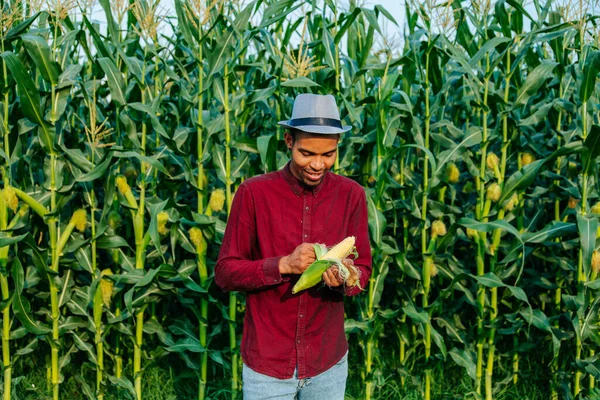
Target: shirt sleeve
359 228
236 269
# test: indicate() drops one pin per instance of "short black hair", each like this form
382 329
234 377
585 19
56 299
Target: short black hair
293 132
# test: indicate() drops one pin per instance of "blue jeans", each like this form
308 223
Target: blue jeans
329 385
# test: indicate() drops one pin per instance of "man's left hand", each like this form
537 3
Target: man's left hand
332 278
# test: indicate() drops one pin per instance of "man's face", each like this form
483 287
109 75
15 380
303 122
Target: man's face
312 156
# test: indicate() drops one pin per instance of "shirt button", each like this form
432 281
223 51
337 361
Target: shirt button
305 235
298 341
301 316
306 208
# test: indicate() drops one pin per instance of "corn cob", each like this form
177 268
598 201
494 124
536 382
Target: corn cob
314 273
341 250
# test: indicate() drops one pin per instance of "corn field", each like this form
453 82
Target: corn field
476 137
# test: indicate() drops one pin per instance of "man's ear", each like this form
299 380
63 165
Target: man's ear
289 140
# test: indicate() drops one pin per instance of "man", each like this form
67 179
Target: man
293 345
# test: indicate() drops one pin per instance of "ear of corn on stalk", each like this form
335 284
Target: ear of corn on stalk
314 273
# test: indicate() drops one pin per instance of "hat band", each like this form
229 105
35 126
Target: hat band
336 123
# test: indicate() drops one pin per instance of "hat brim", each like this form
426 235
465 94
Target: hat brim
319 129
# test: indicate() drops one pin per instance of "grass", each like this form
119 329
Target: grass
168 378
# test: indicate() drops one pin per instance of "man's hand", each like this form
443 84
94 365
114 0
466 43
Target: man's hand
332 278
298 261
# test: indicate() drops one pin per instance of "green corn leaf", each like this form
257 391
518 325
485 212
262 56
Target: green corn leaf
114 79
16 31
98 171
520 179
489 226
153 162
40 53
123 383
85 388
371 16
276 11
29 348
587 227
30 100
591 149
148 295
439 341
155 209
267 148
152 327
590 72
352 326
380 281
553 230
187 344
534 81
218 158
98 41
300 82
377 222
464 359
489 280
329 47
85 346
419 317
538 319
470 139
346 22
184 24
6 239
71 324
21 304
113 28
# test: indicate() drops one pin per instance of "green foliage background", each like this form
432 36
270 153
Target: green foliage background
476 139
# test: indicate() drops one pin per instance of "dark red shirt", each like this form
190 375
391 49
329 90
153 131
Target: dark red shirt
270 216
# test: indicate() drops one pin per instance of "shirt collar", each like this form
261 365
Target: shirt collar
297 186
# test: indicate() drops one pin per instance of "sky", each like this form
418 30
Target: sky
394 7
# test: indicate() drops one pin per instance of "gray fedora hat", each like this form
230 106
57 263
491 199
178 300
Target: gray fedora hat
314 113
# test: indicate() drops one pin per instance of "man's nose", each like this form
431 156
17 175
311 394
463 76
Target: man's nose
317 164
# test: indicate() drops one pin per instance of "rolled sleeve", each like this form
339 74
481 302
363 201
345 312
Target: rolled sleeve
272 276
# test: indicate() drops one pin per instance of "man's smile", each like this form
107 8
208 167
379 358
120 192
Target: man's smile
314 176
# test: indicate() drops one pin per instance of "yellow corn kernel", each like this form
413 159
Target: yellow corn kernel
125 190
162 219
198 240
195 236
79 219
341 250
494 192
217 200
514 200
492 161
10 197
438 228
472 233
527 158
452 173
106 287
596 261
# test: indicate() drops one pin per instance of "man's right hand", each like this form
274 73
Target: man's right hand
298 261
